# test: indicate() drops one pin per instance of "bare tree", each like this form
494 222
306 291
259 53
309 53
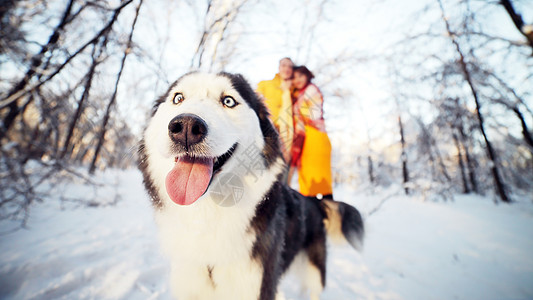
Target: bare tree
500 186
218 19
13 106
103 128
428 146
96 56
48 111
23 87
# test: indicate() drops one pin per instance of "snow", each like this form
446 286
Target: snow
469 248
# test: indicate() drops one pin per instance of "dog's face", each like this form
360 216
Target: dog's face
205 125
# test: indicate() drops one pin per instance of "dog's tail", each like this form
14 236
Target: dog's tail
343 223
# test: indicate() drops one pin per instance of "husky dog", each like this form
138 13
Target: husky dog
231 227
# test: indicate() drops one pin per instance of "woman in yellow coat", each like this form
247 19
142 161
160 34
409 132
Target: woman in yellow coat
311 148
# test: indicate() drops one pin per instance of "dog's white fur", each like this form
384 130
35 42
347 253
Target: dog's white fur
204 233
307 275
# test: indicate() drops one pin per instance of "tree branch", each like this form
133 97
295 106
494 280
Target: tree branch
112 101
519 22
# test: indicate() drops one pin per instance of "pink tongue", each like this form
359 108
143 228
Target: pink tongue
189 179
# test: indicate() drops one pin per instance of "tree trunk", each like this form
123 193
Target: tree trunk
466 189
525 130
103 129
435 158
88 83
371 170
470 163
500 187
405 171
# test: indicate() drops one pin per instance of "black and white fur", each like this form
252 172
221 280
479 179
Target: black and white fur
239 251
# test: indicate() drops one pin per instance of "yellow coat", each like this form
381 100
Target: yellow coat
271 90
279 104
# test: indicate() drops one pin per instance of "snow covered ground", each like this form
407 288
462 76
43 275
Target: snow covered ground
466 249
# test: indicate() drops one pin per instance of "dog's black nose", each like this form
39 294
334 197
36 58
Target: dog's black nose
187 130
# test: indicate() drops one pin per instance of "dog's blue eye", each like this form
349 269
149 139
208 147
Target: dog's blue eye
178 98
228 101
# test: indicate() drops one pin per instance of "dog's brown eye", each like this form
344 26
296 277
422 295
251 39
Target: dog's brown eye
178 98
229 102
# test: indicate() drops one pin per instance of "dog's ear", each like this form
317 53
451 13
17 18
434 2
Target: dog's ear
271 150
163 97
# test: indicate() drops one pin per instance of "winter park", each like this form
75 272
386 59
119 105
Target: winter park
370 149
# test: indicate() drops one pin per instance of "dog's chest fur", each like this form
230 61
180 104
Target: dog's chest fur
210 246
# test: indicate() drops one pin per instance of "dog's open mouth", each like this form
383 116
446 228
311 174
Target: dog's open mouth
191 176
